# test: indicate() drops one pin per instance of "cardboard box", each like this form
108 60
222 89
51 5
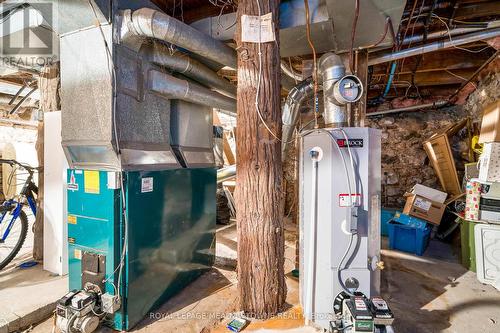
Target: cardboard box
423 208
429 193
490 125
489 162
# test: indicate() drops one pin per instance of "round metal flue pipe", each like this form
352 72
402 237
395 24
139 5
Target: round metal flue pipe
434 46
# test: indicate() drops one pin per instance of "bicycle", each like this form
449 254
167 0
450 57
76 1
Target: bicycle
12 234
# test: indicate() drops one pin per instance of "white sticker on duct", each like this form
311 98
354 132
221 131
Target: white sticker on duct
147 185
250 31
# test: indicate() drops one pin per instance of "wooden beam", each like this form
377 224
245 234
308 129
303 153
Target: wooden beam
436 78
228 152
472 11
259 196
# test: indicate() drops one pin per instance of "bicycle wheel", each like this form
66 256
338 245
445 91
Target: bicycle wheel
15 240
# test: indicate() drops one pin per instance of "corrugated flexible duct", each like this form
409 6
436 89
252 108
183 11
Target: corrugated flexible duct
146 22
185 65
151 23
291 110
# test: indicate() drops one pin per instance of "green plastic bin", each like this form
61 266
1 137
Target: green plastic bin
468 244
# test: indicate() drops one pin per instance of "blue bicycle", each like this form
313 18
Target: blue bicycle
13 220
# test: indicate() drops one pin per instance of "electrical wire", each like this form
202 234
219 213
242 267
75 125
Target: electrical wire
315 63
353 35
259 80
387 27
451 40
459 76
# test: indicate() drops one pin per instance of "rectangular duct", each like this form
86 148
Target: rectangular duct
152 130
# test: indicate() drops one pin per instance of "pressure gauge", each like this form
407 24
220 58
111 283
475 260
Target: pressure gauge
348 89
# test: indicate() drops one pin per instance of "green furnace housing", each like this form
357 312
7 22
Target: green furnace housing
170 239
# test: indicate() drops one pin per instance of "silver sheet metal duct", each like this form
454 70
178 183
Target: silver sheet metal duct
152 23
332 69
291 110
331 24
446 33
175 88
226 173
185 65
434 46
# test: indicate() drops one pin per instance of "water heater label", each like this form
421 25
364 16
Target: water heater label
353 143
147 185
345 202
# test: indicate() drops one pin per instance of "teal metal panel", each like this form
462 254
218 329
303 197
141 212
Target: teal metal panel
93 225
171 217
171 233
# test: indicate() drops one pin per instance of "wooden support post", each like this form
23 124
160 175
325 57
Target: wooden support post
362 73
259 196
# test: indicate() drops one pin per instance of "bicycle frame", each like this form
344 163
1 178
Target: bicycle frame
29 191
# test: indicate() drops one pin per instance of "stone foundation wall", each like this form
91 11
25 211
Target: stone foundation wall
404 161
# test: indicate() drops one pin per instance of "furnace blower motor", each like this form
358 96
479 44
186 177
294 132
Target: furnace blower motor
82 310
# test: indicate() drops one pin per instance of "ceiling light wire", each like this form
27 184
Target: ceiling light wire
315 63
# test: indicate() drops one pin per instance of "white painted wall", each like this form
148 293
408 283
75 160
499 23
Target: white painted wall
55 231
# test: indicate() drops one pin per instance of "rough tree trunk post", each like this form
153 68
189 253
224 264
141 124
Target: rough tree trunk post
259 196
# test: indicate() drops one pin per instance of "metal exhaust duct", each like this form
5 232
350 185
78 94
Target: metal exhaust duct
296 97
151 23
226 173
434 46
332 69
185 65
175 88
419 107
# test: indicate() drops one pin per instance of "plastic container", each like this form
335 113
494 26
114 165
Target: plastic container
386 215
409 239
468 245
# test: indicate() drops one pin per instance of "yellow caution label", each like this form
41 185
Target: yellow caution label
91 181
71 219
78 254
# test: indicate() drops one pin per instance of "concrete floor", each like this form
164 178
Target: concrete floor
427 295
27 295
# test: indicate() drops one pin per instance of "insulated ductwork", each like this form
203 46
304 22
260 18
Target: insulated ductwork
332 69
151 23
185 65
297 96
175 88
